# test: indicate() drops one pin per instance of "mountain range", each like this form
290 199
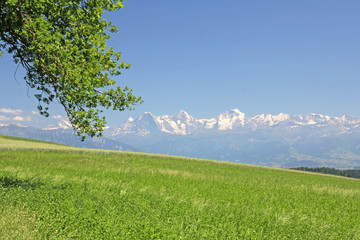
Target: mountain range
281 140
184 124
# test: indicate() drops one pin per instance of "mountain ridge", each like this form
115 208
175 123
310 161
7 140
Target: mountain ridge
282 140
183 123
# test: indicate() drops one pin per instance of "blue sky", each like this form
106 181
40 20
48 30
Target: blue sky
206 57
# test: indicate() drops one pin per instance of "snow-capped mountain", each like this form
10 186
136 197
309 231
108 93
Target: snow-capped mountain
62 124
183 123
230 120
180 124
281 140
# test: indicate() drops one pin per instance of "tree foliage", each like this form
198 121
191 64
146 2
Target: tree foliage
62 46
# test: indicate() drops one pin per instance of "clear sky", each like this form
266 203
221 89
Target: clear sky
207 57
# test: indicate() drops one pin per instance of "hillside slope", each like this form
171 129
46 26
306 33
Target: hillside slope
62 194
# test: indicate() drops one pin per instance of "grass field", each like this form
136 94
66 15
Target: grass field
50 191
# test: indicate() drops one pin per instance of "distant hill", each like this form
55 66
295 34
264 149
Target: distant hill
352 173
63 136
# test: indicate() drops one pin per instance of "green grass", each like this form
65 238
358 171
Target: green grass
51 191
14 143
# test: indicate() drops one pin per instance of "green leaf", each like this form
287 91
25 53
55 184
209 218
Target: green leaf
62 47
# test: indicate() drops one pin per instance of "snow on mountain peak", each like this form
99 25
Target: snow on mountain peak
62 124
183 123
182 115
183 112
147 116
282 116
235 110
230 119
270 120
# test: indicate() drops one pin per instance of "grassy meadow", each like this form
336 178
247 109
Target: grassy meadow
50 191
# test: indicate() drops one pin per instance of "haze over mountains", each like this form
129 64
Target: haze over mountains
282 140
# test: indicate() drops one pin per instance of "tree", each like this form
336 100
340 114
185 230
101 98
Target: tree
62 46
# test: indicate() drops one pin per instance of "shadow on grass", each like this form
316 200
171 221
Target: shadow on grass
12 182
